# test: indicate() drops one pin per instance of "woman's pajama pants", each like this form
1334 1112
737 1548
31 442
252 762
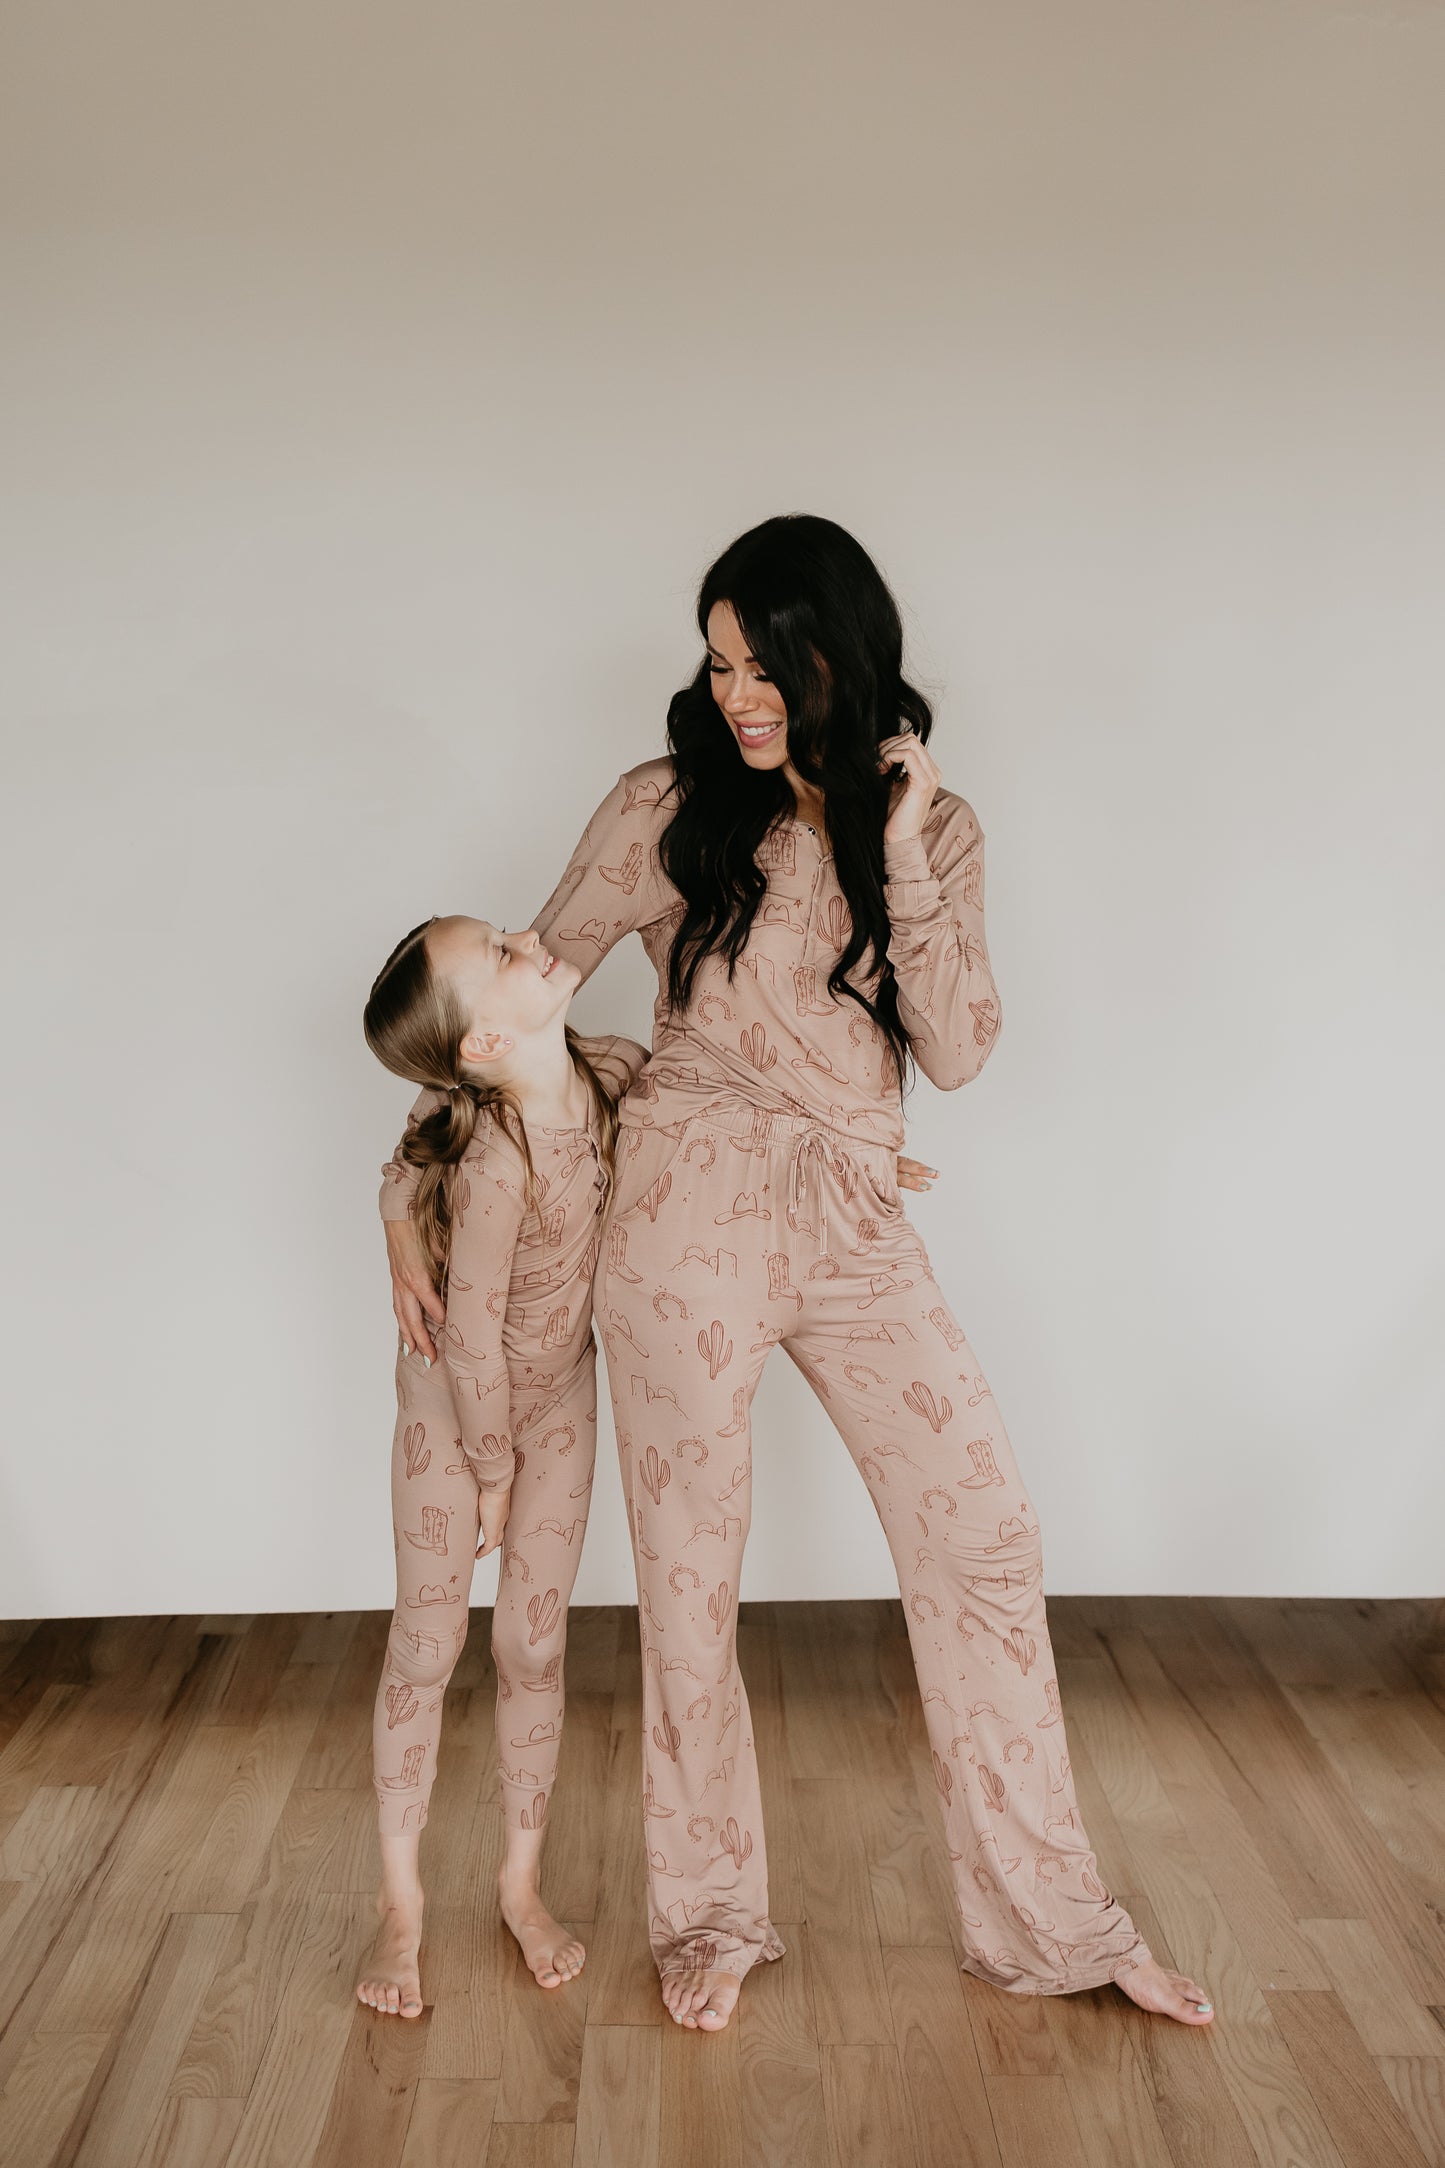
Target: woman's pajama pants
434 1517
732 1232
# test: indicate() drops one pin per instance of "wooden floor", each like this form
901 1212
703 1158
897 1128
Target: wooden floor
187 1862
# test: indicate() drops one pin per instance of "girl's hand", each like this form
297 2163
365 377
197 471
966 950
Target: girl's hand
493 1506
913 790
912 1174
413 1298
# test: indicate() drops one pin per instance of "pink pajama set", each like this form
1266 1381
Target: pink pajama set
513 1394
756 1205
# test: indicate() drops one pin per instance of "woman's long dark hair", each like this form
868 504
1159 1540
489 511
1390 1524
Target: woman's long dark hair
818 616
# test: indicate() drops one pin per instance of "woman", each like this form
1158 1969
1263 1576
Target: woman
812 899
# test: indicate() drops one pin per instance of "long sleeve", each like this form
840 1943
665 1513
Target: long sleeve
612 883
488 1207
933 891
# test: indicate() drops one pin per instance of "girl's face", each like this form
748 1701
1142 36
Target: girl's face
750 702
508 984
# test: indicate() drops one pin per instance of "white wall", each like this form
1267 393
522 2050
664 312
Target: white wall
380 380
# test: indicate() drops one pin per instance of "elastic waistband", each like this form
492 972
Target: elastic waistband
765 1127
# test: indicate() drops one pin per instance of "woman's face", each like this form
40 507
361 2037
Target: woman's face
751 704
509 985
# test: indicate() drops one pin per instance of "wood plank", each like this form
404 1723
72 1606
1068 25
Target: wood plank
1355 2101
850 1993
1033 2119
122 2119
286 2107
1264 2083
371 2102
867 2108
222 1870
542 2052
530 2145
699 2095
228 2039
1108 2088
1372 1993
619 2101
784 2115
943 2083
45 2090
191 2132
1418 2085
451 2123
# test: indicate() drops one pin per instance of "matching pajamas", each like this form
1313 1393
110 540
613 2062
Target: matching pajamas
756 1205
512 1396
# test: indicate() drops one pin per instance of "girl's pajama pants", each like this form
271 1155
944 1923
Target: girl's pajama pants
733 1231
434 1517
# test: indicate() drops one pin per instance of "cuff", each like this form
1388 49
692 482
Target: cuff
394 1203
906 859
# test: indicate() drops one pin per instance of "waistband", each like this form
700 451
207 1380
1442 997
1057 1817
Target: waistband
770 1127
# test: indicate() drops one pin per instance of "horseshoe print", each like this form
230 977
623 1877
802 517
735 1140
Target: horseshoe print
706 1273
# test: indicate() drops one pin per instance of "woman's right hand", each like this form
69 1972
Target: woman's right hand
418 1307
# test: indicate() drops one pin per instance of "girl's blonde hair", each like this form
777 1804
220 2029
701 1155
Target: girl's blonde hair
415 1026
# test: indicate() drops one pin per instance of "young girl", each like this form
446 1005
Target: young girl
505 1171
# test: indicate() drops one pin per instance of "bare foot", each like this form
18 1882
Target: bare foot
703 2001
553 1956
390 1980
1172 1994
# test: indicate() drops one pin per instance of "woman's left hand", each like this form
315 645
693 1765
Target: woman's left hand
912 1174
920 779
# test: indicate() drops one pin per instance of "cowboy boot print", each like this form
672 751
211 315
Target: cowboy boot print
739 1422
779 1286
548 1679
986 1470
557 1325
408 1776
940 1319
617 1263
629 873
433 1536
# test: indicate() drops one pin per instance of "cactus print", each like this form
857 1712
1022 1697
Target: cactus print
517 1391
762 1133
874 1337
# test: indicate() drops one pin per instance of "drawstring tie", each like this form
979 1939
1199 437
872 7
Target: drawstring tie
824 1151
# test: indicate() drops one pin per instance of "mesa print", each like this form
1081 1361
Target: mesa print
756 1206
